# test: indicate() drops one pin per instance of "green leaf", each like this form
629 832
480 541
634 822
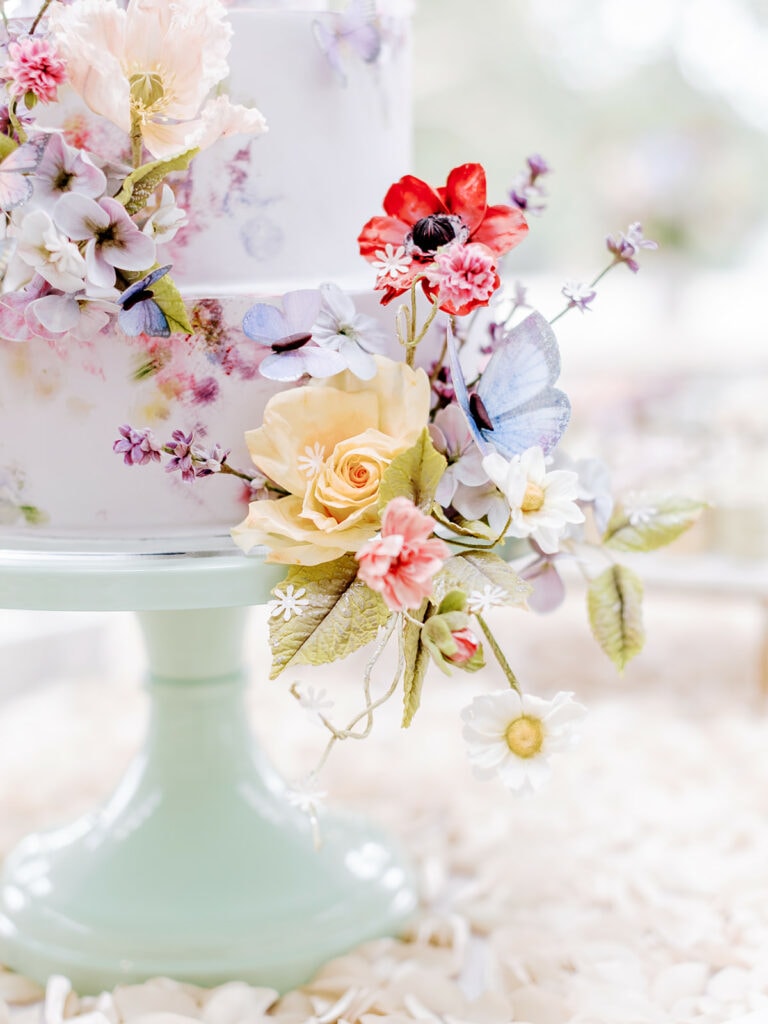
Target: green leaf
414 474
614 601
341 614
7 146
168 297
416 663
141 183
475 570
33 515
663 521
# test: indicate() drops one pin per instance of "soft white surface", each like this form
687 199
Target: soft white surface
633 889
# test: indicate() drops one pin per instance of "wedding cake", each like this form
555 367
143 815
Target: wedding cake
255 215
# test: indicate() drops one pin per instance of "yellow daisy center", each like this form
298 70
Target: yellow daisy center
533 499
525 736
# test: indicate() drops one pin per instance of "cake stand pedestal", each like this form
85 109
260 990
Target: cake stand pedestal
197 867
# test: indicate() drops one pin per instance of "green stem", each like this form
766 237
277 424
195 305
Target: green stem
39 16
499 654
136 141
16 123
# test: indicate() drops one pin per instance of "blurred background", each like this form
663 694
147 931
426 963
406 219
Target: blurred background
656 114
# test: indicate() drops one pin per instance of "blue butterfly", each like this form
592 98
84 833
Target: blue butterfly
139 313
515 405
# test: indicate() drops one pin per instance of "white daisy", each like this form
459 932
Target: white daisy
288 602
391 261
481 601
313 701
306 794
512 735
311 462
640 508
542 504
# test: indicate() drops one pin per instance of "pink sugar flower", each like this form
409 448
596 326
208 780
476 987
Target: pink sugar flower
34 67
464 276
401 563
467 646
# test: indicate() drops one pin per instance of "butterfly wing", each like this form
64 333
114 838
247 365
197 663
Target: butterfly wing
301 309
144 317
15 183
462 394
518 393
265 324
327 39
357 26
292 366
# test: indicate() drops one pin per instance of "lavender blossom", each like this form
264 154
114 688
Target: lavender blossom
182 458
136 446
579 295
526 192
625 246
208 460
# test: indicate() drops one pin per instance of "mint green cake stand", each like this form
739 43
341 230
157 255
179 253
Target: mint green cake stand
197 867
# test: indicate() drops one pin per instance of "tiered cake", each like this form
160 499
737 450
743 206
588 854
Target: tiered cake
266 215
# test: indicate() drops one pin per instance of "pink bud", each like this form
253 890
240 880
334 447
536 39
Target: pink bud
467 644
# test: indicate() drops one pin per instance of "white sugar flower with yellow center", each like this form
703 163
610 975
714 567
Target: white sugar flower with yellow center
512 735
541 504
151 67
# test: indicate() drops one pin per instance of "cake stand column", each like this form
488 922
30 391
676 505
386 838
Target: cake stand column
197 867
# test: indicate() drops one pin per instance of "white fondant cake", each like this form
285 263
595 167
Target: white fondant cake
267 214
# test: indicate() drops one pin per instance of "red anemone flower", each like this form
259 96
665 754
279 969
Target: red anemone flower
420 219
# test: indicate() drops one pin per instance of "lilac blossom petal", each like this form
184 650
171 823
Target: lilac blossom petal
64 169
548 588
57 313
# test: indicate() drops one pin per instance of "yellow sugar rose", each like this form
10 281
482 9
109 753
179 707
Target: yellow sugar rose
328 445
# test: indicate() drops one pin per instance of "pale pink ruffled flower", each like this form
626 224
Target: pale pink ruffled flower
401 563
34 67
464 275
156 61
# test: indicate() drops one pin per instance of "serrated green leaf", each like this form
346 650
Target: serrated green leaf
168 297
141 183
414 474
475 570
416 663
663 521
341 614
463 527
615 604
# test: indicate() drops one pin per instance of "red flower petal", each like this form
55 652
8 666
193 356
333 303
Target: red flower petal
410 199
377 232
465 194
503 228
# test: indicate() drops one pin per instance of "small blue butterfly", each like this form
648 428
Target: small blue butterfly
288 333
139 313
515 405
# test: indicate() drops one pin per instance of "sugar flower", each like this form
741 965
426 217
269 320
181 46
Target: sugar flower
34 67
463 277
153 65
165 217
626 246
340 328
512 735
137 447
401 562
542 504
579 296
64 169
111 238
452 437
360 426
44 249
421 219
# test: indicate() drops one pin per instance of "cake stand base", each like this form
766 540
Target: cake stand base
198 867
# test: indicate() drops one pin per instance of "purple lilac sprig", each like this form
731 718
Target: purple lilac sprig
187 454
624 248
527 192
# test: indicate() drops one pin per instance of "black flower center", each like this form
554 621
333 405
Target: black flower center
431 232
291 342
